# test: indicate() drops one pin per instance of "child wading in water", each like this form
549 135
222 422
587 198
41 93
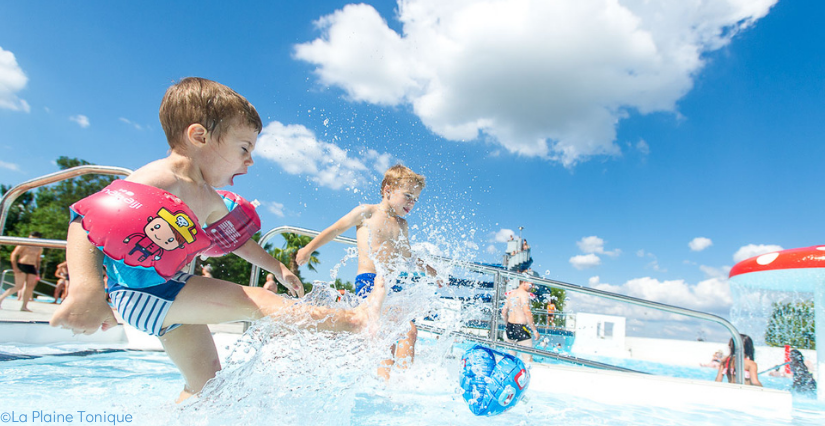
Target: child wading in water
211 131
383 246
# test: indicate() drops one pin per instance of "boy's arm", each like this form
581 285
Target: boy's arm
505 309
254 253
85 308
353 218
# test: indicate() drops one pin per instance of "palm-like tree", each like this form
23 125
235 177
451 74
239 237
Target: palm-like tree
289 253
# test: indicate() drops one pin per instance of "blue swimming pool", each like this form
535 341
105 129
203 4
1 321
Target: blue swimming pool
111 385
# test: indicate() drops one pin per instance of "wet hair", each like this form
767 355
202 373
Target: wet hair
748 346
208 103
36 234
749 351
398 175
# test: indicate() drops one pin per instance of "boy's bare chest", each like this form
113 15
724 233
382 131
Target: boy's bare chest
384 229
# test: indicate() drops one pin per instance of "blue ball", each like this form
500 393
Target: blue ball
491 387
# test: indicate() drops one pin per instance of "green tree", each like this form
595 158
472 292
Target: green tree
343 285
233 268
46 210
791 324
19 216
288 254
543 296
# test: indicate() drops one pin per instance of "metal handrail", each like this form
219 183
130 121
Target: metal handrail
11 195
500 274
532 351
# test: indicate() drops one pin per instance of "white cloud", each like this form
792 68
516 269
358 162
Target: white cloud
700 243
751 250
131 123
711 272
12 80
710 295
275 208
540 78
584 261
81 120
594 244
491 249
296 149
502 235
9 166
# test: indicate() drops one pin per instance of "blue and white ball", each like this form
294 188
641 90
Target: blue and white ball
491 387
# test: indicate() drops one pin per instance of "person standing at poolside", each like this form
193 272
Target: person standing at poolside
551 313
25 262
518 317
382 236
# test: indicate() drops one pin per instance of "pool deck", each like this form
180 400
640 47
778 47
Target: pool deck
33 328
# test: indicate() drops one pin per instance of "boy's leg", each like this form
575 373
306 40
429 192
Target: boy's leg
403 353
193 351
405 348
210 301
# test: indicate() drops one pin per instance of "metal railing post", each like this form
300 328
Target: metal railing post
493 334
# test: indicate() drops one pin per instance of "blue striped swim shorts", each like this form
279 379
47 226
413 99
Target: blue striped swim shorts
145 308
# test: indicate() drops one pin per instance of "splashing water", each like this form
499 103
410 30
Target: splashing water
286 371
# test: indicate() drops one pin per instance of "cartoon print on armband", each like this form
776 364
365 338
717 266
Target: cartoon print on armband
165 232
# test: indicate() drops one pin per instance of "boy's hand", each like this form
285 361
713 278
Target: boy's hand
293 284
303 256
83 315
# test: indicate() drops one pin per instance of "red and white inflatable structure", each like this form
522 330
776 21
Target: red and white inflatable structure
800 270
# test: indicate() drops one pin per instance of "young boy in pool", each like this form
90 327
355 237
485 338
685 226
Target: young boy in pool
212 132
383 246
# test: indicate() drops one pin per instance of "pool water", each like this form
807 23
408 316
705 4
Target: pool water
144 384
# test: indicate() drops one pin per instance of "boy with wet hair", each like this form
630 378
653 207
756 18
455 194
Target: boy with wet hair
382 236
212 131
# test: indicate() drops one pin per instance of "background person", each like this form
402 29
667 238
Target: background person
518 317
61 289
25 262
270 283
728 365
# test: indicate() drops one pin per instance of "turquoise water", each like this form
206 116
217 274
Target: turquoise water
144 384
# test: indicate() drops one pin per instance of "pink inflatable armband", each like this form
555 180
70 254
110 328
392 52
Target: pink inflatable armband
142 226
234 229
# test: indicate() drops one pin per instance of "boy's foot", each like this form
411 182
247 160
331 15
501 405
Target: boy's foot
25 310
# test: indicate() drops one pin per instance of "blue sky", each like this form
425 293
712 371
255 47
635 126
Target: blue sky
615 132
